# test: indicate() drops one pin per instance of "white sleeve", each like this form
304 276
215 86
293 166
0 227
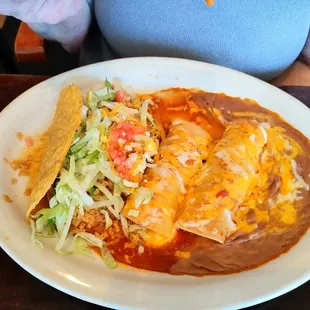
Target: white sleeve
65 21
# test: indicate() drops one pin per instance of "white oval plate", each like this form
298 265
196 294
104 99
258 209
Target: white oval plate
89 280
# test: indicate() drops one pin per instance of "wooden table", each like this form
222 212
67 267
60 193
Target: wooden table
20 290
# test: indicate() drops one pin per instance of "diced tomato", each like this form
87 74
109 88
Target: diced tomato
222 193
190 161
121 169
125 131
120 95
129 135
113 153
123 172
128 163
117 161
139 130
120 154
28 141
116 150
114 135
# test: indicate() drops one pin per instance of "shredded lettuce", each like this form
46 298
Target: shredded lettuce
34 240
142 196
72 165
124 225
134 213
92 135
143 110
93 191
80 247
84 114
53 202
104 190
108 221
131 184
90 238
108 258
81 210
50 219
66 228
92 101
69 191
135 228
94 120
95 241
108 84
106 93
84 180
124 111
105 168
89 179
80 244
120 188
77 135
106 122
119 204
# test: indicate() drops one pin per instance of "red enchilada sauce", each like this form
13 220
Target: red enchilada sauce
160 259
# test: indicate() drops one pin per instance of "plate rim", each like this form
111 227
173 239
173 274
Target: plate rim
63 287
96 301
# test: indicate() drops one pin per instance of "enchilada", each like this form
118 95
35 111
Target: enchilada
224 182
155 205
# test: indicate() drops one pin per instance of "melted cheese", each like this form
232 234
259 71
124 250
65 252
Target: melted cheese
300 182
154 240
277 161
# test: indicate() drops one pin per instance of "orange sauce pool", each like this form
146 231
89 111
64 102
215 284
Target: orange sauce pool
173 104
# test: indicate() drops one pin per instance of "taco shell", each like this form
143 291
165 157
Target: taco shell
67 119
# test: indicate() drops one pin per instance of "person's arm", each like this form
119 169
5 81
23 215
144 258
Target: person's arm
306 51
298 74
65 21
